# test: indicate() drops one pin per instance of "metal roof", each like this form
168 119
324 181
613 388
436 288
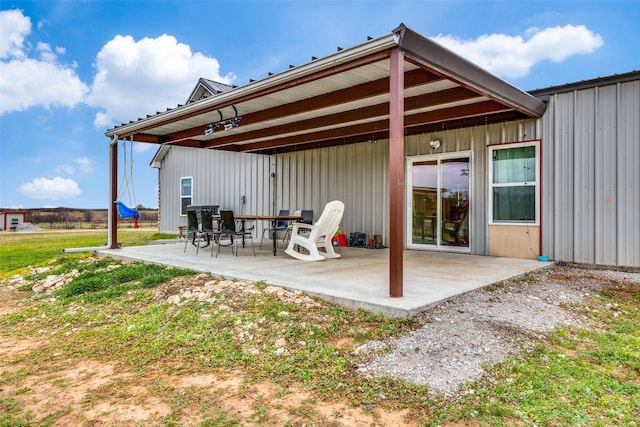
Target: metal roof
205 88
586 84
338 99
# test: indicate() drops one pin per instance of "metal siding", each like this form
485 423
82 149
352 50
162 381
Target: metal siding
219 178
478 215
583 154
628 173
605 177
563 171
548 170
358 175
354 173
591 176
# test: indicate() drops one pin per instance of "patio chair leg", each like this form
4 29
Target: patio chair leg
263 237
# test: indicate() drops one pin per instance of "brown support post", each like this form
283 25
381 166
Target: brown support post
113 192
396 172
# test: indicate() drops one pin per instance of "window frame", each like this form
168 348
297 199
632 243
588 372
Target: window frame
190 196
536 184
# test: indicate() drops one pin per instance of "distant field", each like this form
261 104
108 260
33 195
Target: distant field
85 219
20 250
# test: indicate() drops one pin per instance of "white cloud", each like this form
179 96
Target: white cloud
136 78
51 189
14 27
28 82
46 53
83 165
64 169
514 56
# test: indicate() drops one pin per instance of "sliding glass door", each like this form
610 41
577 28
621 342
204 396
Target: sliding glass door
439 193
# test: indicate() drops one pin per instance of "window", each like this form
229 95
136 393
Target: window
514 179
186 193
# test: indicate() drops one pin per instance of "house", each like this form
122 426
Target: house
10 220
426 149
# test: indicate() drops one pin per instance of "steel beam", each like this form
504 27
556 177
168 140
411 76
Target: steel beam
396 172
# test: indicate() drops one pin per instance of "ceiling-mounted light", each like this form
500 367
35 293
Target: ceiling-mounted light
209 129
227 124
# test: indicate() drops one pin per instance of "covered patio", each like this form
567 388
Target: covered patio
388 88
356 280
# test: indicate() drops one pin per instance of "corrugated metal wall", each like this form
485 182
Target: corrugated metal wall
591 173
590 177
358 174
219 178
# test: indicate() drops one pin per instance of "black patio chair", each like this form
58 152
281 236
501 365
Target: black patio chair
194 231
207 227
281 225
228 228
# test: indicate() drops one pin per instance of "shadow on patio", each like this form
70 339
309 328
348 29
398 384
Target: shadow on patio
360 279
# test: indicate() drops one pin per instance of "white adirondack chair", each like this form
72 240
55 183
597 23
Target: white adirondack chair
305 246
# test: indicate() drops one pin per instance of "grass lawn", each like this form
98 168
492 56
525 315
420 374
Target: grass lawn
109 348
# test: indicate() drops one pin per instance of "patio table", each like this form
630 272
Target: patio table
273 219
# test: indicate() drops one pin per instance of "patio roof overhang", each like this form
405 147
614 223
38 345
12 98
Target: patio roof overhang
342 98
395 85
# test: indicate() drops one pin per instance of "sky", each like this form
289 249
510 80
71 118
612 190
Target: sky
71 70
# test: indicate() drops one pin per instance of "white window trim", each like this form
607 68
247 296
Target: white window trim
182 197
491 185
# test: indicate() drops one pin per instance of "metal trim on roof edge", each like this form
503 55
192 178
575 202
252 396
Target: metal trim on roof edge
449 64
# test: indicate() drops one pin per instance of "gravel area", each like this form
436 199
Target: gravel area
485 326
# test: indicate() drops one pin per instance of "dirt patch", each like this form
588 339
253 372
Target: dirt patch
81 391
89 392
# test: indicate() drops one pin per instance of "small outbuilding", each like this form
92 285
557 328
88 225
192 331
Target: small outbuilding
10 220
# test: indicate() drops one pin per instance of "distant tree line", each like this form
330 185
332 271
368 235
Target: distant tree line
70 218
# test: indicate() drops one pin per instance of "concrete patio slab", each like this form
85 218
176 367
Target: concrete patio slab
359 279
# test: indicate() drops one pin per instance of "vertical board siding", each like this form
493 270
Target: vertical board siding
628 173
583 194
355 174
219 178
358 174
605 196
591 176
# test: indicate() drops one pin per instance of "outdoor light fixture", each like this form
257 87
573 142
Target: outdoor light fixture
435 144
227 124
231 123
209 130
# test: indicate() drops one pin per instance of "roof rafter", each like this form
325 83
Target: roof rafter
441 115
365 90
350 116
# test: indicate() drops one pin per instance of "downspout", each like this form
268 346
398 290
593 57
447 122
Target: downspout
112 219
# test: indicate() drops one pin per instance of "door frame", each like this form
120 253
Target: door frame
410 160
